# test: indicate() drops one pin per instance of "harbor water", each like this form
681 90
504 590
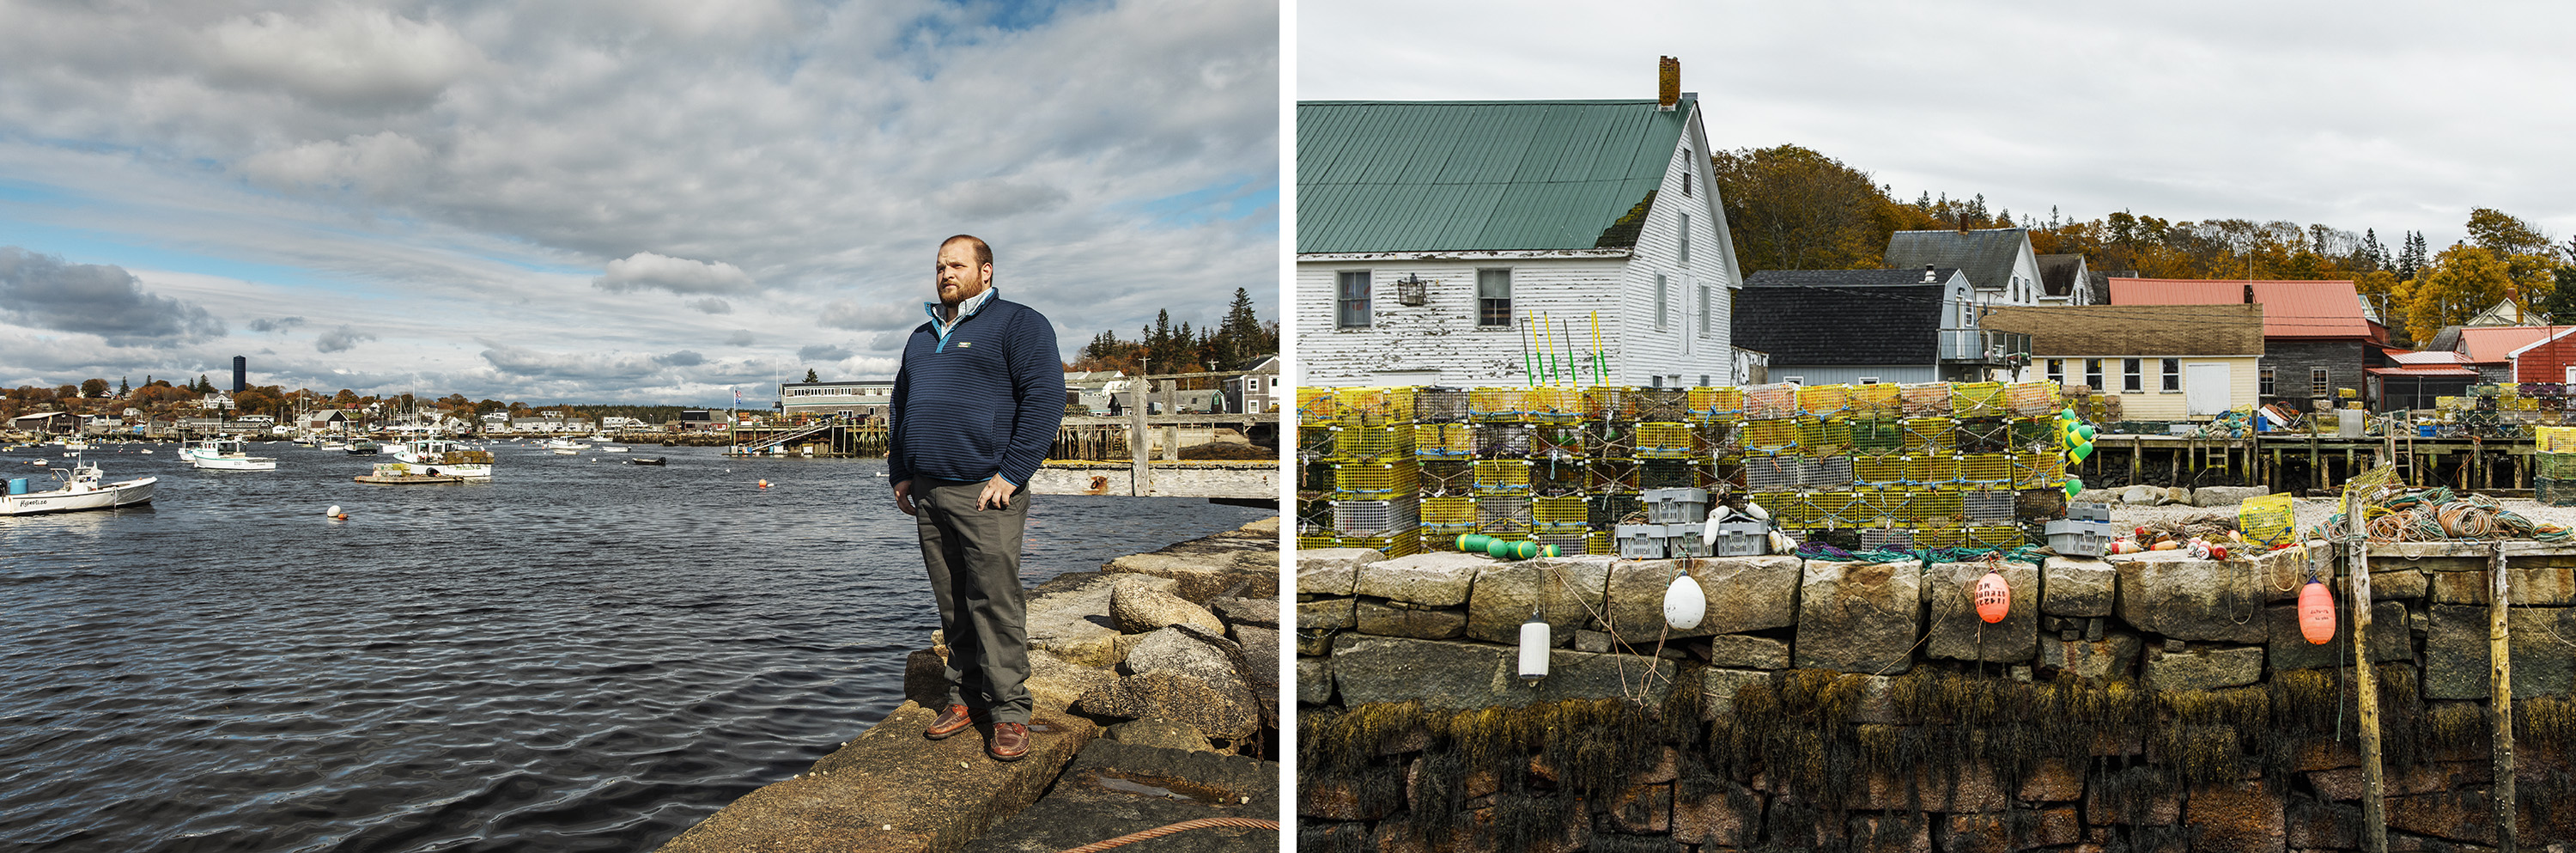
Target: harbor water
580 655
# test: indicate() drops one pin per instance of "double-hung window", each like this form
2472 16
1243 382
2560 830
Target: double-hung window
2172 375
2131 381
2093 374
1493 298
1663 302
1352 301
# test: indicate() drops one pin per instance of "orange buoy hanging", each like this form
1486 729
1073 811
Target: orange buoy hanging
2316 612
1994 597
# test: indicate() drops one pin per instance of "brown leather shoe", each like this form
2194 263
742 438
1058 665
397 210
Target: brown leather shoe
1010 742
950 722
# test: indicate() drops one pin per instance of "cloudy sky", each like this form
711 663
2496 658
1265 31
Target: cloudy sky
615 200
2393 117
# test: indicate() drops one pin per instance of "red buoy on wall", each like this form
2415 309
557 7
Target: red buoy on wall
2316 613
1994 597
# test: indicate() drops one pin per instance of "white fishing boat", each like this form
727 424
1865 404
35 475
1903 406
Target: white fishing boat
613 448
74 444
225 454
439 457
564 444
82 487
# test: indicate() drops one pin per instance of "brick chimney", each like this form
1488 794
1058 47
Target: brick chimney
1668 83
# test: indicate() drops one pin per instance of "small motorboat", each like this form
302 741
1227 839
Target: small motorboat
83 487
645 460
364 447
225 454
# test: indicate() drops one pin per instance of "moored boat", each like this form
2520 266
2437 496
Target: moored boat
82 487
225 454
364 447
436 457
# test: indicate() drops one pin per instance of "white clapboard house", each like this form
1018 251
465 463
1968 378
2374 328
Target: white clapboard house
1435 238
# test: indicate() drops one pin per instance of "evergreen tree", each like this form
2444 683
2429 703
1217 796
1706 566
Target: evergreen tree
810 377
2412 259
2373 255
123 389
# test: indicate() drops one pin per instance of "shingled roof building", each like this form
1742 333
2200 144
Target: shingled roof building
1450 242
1833 327
1997 261
2167 363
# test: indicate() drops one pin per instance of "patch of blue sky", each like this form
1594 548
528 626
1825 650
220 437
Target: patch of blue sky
1237 197
83 246
1019 15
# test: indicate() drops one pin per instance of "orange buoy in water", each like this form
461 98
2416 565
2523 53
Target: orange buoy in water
764 484
1994 598
2316 613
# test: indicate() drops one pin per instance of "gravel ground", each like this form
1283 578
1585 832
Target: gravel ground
2313 511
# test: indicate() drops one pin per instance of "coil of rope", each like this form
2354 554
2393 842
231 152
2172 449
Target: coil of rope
1183 826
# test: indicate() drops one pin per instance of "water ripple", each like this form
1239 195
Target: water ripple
579 656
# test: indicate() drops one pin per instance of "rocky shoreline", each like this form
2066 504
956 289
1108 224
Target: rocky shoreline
1156 685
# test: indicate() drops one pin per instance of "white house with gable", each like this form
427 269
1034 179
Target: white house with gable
1470 243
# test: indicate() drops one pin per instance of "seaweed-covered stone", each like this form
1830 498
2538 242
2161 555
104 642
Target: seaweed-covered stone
2204 669
2289 648
2456 649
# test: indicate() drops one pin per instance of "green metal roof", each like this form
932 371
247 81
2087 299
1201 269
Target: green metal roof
1378 176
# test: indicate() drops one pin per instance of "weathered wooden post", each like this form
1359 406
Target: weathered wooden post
2374 808
1140 474
2500 708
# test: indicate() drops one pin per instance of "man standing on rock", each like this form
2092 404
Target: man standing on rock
976 407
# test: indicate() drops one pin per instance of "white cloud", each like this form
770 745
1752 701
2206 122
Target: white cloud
460 170
646 270
344 55
45 292
822 352
845 314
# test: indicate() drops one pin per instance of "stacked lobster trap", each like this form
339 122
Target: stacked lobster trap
1594 470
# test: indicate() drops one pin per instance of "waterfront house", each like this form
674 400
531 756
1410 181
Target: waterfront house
46 423
2065 280
2315 333
858 400
2489 350
1257 390
1455 242
1997 261
2552 358
1834 327
2402 379
2168 363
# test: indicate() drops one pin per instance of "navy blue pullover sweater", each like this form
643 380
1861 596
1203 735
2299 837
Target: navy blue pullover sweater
985 400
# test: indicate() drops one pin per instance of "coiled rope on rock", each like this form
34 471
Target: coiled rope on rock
1183 826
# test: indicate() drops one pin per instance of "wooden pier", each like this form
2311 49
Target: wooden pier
1132 453
2300 462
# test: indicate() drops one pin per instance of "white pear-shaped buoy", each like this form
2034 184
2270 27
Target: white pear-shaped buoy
333 512
1756 511
1684 604
1719 514
1534 649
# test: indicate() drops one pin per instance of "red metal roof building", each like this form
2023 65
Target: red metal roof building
2316 335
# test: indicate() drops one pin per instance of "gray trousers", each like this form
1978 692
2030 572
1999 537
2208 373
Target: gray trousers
974 560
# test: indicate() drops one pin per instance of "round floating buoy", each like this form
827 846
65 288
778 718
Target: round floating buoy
333 512
1684 604
764 484
1993 597
1534 644
2316 613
